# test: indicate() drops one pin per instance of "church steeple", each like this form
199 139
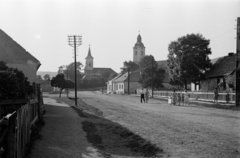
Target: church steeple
89 62
89 56
138 50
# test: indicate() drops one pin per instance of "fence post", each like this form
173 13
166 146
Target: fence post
39 100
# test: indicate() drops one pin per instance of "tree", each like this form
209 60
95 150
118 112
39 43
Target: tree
150 73
71 71
131 65
188 59
60 82
14 84
46 77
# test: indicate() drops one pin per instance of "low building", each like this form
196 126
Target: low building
223 68
16 56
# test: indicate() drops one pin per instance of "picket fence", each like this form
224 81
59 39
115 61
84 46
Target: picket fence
15 127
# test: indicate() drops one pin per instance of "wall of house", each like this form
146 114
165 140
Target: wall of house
120 88
30 71
210 84
109 87
133 86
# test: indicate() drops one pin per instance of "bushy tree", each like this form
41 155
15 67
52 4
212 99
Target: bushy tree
13 83
188 59
60 82
132 66
150 72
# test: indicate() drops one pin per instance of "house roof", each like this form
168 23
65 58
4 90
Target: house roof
11 52
121 78
120 74
222 66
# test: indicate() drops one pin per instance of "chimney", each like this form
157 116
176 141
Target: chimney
230 54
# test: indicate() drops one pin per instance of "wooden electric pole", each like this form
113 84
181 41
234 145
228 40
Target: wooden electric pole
237 100
75 41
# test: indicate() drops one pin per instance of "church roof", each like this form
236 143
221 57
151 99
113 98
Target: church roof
11 52
89 54
103 71
139 42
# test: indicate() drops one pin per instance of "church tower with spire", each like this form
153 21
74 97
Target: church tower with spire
89 62
138 50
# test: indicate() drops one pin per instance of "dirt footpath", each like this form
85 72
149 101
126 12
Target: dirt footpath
62 135
192 131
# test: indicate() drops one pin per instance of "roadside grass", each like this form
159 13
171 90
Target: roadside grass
111 138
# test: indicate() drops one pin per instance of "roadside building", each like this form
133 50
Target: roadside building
111 88
222 73
16 56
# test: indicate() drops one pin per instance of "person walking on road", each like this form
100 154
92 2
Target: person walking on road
174 97
142 95
146 95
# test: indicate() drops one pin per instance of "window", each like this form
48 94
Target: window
136 53
142 52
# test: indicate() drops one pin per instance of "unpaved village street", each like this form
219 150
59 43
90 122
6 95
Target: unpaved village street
192 131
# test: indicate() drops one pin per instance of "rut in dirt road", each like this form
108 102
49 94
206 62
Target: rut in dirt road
113 139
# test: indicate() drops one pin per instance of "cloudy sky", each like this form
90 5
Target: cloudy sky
111 27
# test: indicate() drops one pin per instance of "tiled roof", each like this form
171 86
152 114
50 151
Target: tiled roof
103 70
222 66
12 52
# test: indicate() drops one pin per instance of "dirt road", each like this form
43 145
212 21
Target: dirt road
192 131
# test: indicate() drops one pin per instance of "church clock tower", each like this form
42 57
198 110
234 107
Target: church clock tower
89 62
138 50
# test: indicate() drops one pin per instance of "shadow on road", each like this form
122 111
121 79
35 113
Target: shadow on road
111 138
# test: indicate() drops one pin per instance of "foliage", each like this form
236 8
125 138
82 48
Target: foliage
69 71
13 83
60 82
188 59
150 73
46 77
131 65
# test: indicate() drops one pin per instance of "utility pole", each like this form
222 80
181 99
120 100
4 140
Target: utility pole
128 80
237 101
152 76
75 41
67 80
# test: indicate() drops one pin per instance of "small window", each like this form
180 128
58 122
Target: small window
136 53
142 52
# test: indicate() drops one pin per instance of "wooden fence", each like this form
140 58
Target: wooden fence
15 127
208 96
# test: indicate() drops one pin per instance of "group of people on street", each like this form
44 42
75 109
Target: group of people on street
180 98
144 95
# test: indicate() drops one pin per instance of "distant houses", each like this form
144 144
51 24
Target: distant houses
16 56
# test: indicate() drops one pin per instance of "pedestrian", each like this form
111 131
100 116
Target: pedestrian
179 99
186 97
215 96
142 95
182 97
174 97
227 96
146 95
